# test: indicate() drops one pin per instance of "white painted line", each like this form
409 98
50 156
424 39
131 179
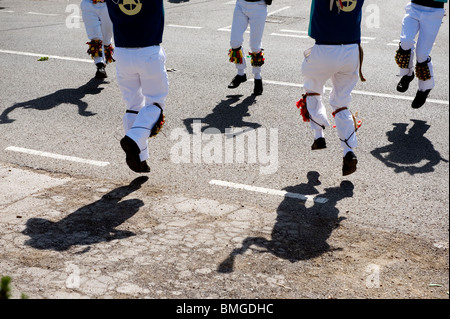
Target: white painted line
291 35
391 96
7 11
227 28
294 31
45 55
282 83
398 97
397 42
269 191
183 26
276 11
55 156
42 14
306 35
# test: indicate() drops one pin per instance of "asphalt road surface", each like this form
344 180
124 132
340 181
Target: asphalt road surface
54 117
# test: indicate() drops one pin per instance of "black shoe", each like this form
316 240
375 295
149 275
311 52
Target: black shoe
258 89
420 99
237 80
319 144
132 151
101 72
349 165
403 85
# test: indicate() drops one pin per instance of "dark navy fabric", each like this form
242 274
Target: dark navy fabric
430 3
137 23
336 26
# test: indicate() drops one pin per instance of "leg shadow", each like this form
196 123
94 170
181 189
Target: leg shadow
90 224
409 151
227 114
64 96
299 233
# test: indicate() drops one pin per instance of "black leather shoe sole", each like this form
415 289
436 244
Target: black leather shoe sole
237 80
420 99
403 85
258 88
101 72
349 165
319 144
132 152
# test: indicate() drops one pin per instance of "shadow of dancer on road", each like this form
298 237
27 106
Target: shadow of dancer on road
90 224
64 96
409 149
225 115
299 233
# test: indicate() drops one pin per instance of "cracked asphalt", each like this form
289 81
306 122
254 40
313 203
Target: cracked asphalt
73 238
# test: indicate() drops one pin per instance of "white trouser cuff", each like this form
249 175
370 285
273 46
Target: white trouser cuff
144 122
346 129
317 112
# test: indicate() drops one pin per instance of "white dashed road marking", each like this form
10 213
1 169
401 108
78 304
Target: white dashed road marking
49 56
183 26
55 156
43 14
269 191
276 11
385 95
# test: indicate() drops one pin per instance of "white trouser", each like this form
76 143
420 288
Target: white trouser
143 81
340 63
97 23
426 22
245 14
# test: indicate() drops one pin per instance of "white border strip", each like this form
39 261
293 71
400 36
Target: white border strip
269 191
56 156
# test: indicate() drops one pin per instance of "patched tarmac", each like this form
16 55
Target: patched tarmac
69 238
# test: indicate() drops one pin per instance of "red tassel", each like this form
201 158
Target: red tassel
301 104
